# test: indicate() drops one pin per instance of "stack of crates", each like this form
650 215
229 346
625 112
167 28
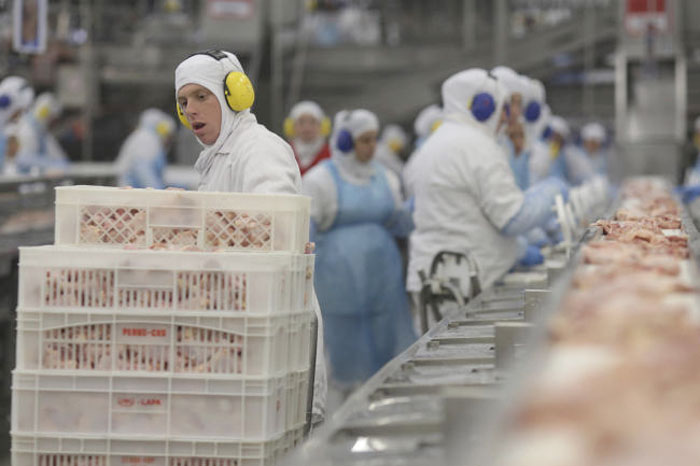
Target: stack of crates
164 328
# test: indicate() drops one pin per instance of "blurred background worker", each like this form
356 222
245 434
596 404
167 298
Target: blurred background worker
425 124
467 200
307 129
143 156
391 149
16 97
356 210
39 152
593 145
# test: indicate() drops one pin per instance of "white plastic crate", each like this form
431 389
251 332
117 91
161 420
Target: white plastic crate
205 344
67 278
35 450
142 218
297 400
164 407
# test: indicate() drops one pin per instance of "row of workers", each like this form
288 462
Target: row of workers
463 194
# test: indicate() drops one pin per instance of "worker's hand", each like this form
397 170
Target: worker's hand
688 193
310 248
532 256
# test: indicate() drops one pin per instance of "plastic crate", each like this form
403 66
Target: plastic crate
143 218
99 342
33 450
165 407
67 278
297 400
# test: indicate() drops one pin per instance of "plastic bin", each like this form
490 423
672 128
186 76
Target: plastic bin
68 278
151 406
99 342
33 450
143 218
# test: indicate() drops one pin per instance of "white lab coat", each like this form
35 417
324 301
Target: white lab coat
320 185
465 195
255 160
141 146
29 136
250 160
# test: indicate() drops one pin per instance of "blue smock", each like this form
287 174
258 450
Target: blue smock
147 172
359 282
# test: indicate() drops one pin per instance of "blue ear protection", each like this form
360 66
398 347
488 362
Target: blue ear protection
547 132
532 111
5 101
344 141
483 106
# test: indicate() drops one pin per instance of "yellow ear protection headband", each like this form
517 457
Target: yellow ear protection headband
42 113
238 90
289 132
163 129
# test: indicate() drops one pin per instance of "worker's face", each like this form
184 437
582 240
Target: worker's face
365 145
307 128
202 110
591 145
516 106
517 137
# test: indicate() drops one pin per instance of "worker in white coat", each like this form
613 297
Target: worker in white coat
142 158
213 99
16 97
428 120
356 212
38 149
593 142
468 201
391 147
307 129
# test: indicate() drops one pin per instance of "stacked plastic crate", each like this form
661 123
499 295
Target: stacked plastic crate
167 328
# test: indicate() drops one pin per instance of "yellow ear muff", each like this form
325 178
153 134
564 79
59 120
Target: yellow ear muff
288 128
238 91
42 113
182 117
395 145
436 125
163 129
326 127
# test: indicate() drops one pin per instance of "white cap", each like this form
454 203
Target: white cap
306 107
560 126
15 94
459 90
46 108
360 121
157 120
593 132
510 79
426 120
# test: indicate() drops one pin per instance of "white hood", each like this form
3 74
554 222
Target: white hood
459 90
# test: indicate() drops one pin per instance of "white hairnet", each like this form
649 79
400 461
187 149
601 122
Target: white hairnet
306 107
152 118
459 90
358 122
210 73
559 126
426 120
593 132
394 134
697 124
15 95
537 91
46 108
510 79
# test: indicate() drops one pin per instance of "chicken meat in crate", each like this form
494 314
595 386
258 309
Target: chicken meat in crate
32 450
173 219
65 278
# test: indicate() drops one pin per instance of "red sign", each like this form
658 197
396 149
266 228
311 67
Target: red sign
646 16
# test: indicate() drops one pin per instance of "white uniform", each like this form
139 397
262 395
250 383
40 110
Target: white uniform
467 192
392 142
246 157
427 121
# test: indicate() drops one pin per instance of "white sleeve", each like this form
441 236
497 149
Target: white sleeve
395 186
409 174
318 183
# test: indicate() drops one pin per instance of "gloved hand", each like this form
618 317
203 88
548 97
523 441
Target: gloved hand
537 237
532 256
688 193
558 185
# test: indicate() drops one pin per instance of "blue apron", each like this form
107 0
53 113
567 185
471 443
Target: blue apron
359 282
